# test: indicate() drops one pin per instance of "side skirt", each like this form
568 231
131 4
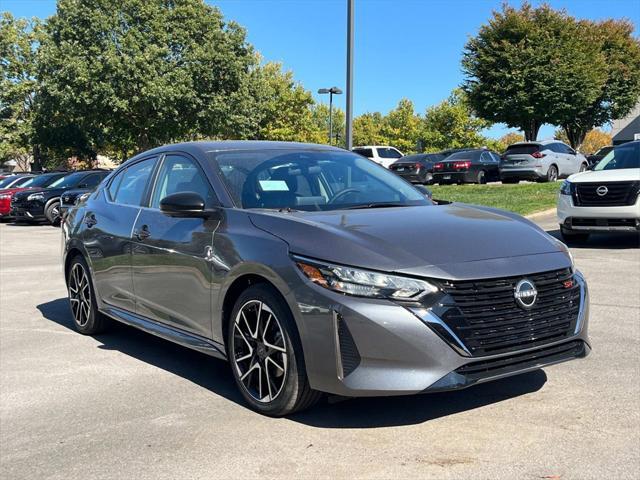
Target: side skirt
189 340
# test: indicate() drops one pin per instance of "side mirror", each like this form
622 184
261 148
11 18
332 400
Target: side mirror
425 191
183 204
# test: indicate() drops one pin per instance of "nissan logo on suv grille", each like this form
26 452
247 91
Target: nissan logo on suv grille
602 190
525 293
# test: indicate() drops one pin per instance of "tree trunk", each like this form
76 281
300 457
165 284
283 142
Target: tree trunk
576 134
36 165
531 130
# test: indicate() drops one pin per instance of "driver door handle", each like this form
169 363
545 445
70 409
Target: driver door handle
143 233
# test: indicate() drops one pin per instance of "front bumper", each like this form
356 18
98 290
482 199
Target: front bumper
594 219
30 210
364 347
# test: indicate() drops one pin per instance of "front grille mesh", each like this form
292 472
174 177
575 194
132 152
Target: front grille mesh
484 314
618 194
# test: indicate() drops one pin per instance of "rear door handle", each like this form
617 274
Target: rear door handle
143 233
90 220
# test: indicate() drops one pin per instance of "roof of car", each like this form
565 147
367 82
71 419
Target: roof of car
537 142
373 146
228 145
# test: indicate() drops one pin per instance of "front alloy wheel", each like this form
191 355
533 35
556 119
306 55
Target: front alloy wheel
265 352
259 353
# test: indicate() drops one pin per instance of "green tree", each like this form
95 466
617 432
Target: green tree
367 129
401 127
452 124
618 60
320 116
284 107
129 75
18 42
531 66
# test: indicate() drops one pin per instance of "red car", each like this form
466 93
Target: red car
38 181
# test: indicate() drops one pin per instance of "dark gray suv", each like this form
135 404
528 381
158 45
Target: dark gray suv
312 269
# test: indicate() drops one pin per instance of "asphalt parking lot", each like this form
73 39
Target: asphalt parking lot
128 405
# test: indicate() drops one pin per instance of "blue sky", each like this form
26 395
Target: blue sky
403 48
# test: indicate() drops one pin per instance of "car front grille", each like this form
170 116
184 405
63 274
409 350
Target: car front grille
618 194
486 318
541 356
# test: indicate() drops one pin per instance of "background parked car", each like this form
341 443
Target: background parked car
605 199
44 203
544 161
14 181
417 168
69 198
382 154
468 166
599 155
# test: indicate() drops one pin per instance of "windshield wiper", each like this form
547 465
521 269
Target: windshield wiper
376 205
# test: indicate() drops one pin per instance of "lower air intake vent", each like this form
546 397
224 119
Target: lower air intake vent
349 355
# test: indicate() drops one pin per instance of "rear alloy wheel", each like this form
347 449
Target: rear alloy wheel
482 177
265 354
53 213
552 174
86 317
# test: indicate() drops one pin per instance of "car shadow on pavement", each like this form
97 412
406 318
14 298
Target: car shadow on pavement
201 369
215 376
613 241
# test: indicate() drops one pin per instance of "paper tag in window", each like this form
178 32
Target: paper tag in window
273 185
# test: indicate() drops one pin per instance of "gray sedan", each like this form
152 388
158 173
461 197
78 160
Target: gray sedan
312 269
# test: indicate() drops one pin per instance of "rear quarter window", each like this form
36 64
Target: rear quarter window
365 152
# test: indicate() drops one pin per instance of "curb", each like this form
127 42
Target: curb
541 214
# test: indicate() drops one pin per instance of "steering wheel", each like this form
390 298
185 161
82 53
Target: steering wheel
342 193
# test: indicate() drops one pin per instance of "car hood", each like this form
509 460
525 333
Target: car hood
619 175
453 241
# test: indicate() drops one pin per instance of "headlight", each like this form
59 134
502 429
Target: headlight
363 283
565 188
35 196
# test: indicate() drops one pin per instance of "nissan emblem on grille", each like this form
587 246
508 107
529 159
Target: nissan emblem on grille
602 190
525 293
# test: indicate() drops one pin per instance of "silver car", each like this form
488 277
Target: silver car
312 269
543 161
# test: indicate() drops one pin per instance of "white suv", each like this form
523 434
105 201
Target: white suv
544 161
384 155
603 199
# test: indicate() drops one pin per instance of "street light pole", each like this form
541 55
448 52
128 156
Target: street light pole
331 91
349 110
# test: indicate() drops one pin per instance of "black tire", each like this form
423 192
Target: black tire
294 393
86 317
570 236
52 212
552 174
482 177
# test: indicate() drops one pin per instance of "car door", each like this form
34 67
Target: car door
565 160
171 256
108 221
573 161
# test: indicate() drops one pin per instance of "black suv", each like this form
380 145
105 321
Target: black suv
44 204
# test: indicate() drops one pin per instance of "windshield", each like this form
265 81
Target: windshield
468 155
312 180
40 181
7 181
68 181
624 156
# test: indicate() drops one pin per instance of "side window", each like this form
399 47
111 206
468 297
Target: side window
181 174
133 183
389 153
485 157
113 186
365 152
91 181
